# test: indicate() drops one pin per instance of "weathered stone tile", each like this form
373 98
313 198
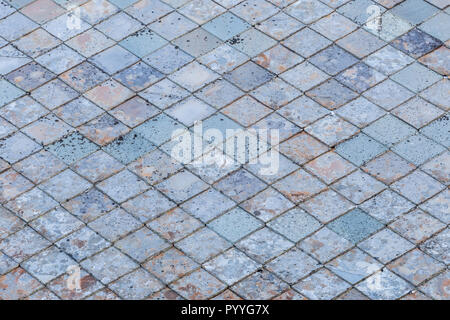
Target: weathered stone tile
226 26
416 43
147 11
262 285
83 77
355 225
322 285
17 284
40 166
360 77
303 111
438 94
418 149
386 245
113 59
416 77
280 26
170 265
208 205
174 225
299 186
168 59
89 205
438 61
275 94
11 59
358 187
264 245
278 59
354 266
15 26
172 26
22 111
414 11
17 147
436 130
416 266
182 186
104 294
109 265
391 26
267 204
89 42
306 42
417 187
60 59
6 264
332 130
31 204
143 42
72 148
293 265
78 112
437 246
65 185
248 76
203 245
61 29
199 285
115 224
437 288
438 206
275 121
231 266
82 244
197 42
417 226
352 295
388 167
360 112
254 11
308 11
388 94
95 11
324 245
155 166
12 184
30 76
48 264
360 43
389 286
56 224
295 224
54 94
302 147
97 166
304 76
240 185
327 205
386 206
136 285
331 94
148 205
88 285
235 225
252 42
434 26
127 23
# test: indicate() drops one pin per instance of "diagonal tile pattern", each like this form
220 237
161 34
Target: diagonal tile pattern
359 206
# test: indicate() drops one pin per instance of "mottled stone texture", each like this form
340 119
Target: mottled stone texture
359 205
